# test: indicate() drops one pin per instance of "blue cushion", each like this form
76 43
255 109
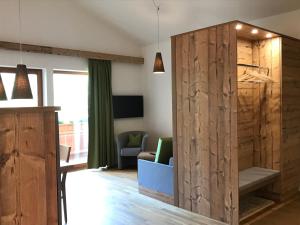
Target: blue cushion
130 151
156 177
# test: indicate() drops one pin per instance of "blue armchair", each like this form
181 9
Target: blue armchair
156 179
127 156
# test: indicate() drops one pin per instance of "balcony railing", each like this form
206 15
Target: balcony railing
75 134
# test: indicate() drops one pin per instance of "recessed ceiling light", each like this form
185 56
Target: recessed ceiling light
254 31
238 26
269 35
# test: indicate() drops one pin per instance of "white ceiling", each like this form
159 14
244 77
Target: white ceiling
137 18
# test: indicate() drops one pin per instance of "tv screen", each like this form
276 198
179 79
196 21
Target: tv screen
128 106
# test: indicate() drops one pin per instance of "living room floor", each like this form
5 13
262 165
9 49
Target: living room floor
97 197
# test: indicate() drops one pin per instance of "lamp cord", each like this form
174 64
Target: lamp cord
157 11
20 33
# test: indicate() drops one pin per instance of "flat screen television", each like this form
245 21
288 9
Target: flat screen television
125 106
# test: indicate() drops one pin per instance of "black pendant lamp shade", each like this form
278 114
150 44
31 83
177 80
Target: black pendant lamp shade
22 88
158 64
3 96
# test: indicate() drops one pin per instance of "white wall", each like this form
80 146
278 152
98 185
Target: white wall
62 24
286 23
127 80
158 94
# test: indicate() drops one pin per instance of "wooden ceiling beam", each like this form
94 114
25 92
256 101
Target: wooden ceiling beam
70 52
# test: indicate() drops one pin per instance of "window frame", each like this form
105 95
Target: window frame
37 72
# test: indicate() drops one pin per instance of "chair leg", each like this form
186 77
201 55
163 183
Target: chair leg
120 164
64 203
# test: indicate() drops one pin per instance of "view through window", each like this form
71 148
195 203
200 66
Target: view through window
35 78
71 94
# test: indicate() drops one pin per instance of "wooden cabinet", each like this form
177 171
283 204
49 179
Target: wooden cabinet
28 166
236 121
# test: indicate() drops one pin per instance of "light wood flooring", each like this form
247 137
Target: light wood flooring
112 198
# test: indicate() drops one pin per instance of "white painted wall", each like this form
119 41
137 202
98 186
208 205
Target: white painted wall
158 94
127 79
62 24
286 23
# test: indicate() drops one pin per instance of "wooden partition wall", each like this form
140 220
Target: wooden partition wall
205 122
226 130
290 117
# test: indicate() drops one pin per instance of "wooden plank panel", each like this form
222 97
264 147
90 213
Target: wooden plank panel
201 167
213 118
32 169
179 119
231 195
290 156
206 124
32 190
174 120
187 203
51 165
24 180
8 172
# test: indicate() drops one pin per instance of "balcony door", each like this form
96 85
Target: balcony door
71 94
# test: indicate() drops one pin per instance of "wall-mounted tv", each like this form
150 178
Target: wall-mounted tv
125 106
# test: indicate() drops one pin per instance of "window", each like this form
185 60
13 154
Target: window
71 94
8 75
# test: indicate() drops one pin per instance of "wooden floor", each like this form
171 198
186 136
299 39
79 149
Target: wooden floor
286 214
112 198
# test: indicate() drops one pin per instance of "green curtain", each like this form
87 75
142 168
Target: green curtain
101 150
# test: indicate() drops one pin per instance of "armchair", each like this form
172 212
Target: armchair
127 156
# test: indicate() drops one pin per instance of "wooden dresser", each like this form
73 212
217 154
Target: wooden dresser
28 166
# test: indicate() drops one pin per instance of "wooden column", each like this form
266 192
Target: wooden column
205 123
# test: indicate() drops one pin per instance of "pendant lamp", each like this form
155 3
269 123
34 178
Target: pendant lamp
3 96
158 62
21 89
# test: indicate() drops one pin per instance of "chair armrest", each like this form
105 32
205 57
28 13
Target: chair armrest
121 140
156 176
144 142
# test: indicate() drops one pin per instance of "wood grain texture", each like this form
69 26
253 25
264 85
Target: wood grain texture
290 117
24 181
71 52
117 191
284 213
174 121
157 195
251 206
259 106
8 173
254 178
222 126
206 122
